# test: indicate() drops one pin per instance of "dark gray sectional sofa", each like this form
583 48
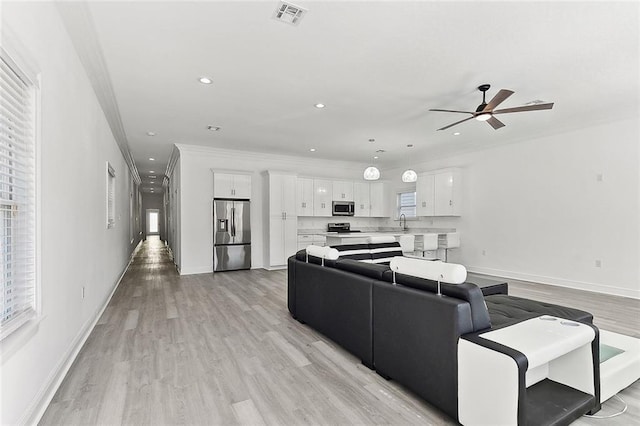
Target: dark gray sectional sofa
408 333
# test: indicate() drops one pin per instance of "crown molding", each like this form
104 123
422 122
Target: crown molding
78 21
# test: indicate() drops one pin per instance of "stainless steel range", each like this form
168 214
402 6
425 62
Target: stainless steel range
340 227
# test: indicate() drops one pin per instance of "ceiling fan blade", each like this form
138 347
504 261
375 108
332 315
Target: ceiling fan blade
451 110
534 107
457 122
495 123
498 99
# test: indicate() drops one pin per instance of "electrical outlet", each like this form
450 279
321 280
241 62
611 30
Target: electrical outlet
600 177
598 263
484 252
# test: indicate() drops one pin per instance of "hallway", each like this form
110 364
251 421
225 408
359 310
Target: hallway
217 349
222 349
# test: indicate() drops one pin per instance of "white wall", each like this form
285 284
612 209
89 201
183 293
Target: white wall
76 248
539 212
196 230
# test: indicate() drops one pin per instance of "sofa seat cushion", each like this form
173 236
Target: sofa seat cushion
371 270
506 310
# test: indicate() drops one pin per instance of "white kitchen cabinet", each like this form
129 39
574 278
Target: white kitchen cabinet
304 197
379 199
322 197
361 199
342 190
447 193
231 185
305 240
425 194
438 193
283 219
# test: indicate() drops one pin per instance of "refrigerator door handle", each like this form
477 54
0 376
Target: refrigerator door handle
233 221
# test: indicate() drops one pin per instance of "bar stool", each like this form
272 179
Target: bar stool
448 241
407 244
430 243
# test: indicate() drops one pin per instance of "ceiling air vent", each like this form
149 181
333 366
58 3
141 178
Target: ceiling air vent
289 13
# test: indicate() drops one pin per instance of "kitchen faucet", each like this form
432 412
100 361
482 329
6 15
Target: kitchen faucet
404 227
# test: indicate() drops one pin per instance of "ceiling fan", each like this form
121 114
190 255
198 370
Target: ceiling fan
486 111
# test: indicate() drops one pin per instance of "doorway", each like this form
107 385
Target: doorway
153 221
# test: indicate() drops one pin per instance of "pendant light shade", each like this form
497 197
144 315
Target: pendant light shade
409 176
371 173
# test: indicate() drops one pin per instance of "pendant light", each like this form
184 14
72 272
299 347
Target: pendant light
409 176
371 173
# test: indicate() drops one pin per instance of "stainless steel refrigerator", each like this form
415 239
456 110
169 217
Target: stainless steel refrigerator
231 235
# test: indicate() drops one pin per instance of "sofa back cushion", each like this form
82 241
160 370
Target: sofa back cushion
354 251
384 252
468 292
370 270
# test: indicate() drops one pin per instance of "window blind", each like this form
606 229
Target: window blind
407 204
17 197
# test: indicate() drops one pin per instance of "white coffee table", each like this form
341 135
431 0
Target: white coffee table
622 368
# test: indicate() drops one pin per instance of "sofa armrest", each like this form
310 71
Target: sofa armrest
542 371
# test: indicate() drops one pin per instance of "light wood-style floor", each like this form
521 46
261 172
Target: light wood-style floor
222 349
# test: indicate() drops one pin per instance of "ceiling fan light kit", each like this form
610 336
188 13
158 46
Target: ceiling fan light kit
486 111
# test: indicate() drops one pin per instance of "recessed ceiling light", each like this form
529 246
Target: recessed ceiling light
205 80
375 157
152 159
319 105
151 133
152 177
151 171
456 134
213 128
312 150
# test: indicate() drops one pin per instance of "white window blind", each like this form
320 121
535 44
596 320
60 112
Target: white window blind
17 197
407 204
111 196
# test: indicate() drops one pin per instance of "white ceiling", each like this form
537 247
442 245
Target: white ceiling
378 66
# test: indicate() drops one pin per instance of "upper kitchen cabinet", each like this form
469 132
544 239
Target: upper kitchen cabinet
342 190
447 193
438 193
379 199
425 201
322 197
231 185
362 199
304 197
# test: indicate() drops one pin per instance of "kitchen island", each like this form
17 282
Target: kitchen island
339 238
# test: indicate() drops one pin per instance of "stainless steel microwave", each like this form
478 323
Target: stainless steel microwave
343 208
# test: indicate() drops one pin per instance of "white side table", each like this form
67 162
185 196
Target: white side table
556 349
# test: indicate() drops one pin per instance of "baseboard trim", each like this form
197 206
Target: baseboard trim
34 414
194 271
560 282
